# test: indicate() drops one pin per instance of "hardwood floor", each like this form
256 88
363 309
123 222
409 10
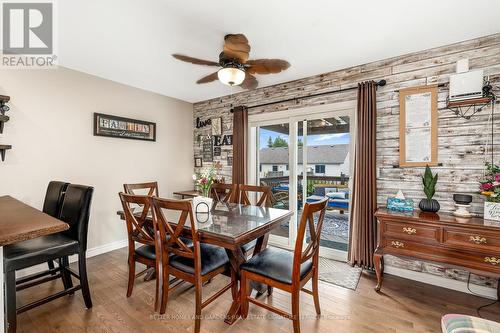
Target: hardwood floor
403 306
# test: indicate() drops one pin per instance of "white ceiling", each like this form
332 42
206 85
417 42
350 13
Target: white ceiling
130 41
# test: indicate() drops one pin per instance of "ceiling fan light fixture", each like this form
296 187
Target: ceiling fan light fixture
231 76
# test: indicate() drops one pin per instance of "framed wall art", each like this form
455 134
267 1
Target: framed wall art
216 126
126 128
198 162
418 117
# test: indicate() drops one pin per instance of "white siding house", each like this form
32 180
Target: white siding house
324 160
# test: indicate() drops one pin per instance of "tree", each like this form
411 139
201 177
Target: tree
300 143
270 142
280 142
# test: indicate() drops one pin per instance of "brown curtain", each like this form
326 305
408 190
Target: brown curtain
362 236
240 127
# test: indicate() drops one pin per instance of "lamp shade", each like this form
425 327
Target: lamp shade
231 76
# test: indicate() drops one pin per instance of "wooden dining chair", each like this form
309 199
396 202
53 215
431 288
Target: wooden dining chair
195 264
150 188
225 193
140 230
264 191
286 270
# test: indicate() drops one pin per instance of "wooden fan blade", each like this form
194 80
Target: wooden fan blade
195 61
250 82
236 47
208 78
267 66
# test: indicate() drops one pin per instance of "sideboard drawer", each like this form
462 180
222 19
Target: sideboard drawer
472 239
412 232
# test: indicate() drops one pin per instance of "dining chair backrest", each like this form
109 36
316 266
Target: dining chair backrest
138 226
310 211
150 188
225 193
75 211
54 198
264 191
170 233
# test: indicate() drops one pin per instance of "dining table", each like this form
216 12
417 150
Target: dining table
230 226
20 222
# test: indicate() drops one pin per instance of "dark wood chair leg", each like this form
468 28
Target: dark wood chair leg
315 290
197 319
244 295
65 274
82 266
131 275
164 290
10 301
50 263
295 310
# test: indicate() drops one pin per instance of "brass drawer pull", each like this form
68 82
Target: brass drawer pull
397 244
492 260
477 239
410 231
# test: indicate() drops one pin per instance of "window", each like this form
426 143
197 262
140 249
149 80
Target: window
287 167
319 168
275 168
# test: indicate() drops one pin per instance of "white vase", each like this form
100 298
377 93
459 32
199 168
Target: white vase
492 211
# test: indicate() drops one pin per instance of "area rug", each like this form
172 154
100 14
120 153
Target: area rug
339 273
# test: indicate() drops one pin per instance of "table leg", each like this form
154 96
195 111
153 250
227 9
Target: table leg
2 304
236 258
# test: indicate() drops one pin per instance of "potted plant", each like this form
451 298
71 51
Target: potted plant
490 188
428 204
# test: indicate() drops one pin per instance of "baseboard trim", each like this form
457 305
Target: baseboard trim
440 281
95 251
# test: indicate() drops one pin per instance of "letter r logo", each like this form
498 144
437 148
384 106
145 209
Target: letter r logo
27 28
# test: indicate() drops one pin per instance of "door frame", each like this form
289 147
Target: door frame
292 117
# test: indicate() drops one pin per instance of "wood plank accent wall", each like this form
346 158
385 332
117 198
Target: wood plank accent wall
463 145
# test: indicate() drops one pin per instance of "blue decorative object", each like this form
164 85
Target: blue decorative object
400 205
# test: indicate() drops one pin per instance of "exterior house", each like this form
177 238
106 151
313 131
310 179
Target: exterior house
323 160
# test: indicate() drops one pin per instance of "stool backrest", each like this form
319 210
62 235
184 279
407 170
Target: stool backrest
310 210
151 188
54 198
75 211
225 193
170 232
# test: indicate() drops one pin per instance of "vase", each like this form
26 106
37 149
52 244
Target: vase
492 211
429 205
205 192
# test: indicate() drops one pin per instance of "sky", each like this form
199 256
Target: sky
312 140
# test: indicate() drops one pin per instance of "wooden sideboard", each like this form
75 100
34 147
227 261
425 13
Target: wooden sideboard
472 243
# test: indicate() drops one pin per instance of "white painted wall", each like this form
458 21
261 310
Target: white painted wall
52 137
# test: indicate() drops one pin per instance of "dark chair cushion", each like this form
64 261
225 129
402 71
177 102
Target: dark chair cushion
248 246
276 264
146 251
212 258
38 250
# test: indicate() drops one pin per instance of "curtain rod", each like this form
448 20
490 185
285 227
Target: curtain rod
380 83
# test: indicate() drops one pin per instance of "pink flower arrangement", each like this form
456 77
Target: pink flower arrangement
204 180
490 185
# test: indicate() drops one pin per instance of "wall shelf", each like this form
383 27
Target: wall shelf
468 108
3 120
3 149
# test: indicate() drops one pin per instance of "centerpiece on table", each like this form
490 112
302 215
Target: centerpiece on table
202 204
490 188
429 181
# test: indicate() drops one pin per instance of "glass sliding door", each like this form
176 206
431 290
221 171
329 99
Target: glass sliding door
323 171
305 158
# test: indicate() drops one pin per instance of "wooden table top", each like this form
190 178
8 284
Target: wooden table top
20 222
189 193
231 225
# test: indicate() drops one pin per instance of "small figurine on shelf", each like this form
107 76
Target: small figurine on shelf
429 180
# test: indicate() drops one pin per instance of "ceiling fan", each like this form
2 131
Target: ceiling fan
236 68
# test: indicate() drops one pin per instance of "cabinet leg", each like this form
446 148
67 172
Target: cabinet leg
378 260
498 290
